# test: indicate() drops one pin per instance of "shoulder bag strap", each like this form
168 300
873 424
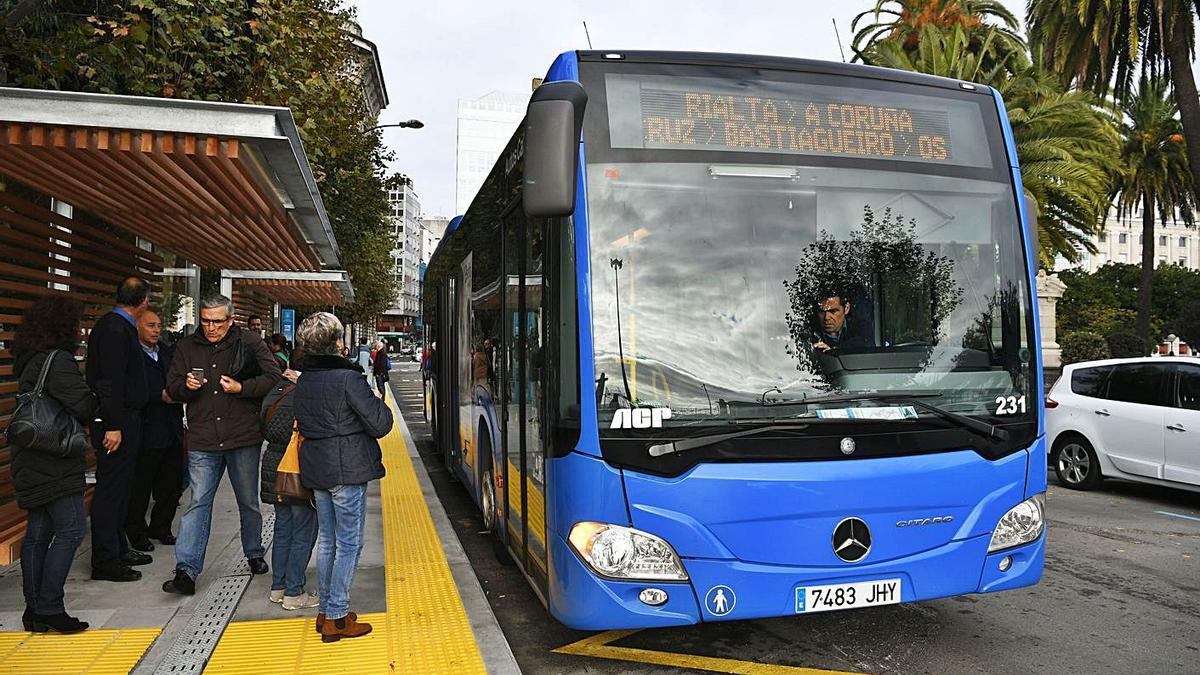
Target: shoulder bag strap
41 382
275 406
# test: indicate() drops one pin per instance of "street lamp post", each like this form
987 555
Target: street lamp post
410 124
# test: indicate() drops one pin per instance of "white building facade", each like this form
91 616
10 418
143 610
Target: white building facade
1121 242
432 231
407 240
485 125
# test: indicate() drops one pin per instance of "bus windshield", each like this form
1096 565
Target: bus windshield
744 264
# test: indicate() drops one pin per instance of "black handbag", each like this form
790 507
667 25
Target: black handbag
243 365
41 423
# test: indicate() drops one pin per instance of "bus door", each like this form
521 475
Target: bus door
523 391
447 376
512 430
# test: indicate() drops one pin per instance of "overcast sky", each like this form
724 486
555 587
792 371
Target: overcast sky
435 53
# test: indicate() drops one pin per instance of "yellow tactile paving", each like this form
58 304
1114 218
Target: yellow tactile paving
425 628
292 646
95 652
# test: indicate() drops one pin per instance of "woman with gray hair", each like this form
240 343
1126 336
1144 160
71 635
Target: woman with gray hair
341 420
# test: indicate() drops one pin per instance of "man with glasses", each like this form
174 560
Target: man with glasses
221 372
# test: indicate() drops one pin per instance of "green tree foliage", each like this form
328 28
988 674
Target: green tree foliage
1083 346
1154 175
1106 302
1067 148
1124 344
983 30
1187 326
1066 144
1101 45
291 53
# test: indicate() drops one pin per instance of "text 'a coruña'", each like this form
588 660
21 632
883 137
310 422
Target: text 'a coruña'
779 125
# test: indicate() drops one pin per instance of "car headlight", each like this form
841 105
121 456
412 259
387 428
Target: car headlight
1022 524
625 553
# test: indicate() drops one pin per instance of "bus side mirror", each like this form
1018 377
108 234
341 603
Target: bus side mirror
552 127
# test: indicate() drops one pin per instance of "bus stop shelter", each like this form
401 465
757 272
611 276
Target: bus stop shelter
95 188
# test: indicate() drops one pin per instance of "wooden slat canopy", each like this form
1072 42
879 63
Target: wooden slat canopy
295 291
188 193
221 185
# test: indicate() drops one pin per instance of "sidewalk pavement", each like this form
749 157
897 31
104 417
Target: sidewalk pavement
147 621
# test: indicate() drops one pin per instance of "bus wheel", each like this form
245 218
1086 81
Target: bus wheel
491 520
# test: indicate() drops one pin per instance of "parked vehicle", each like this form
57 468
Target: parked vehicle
1135 419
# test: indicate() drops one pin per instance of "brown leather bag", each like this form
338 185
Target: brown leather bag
288 487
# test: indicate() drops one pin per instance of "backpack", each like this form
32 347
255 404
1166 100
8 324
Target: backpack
276 414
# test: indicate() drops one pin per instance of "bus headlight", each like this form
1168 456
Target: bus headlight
1022 524
625 553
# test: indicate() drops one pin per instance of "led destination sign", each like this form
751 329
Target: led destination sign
794 119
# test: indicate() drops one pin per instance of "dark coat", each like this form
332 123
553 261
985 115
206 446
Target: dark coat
38 477
218 421
162 423
116 371
277 434
340 420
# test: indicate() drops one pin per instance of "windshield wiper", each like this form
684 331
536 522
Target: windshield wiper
685 444
988 431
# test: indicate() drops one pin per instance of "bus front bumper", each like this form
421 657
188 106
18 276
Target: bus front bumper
582 600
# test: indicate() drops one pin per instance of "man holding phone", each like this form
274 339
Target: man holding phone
221 372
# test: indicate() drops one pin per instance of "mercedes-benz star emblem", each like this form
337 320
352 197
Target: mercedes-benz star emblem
851 540
847 446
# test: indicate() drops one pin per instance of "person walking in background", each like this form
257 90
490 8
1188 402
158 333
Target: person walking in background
116 372
160 462
279 350
341 421
255 324
381 365
48 486
295 520
363 357
221 372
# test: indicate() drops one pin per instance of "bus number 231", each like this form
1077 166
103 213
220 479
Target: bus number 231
1010 405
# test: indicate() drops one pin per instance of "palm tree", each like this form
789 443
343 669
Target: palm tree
1098 44
901 23
955 52
1154 174
1068 150
1067 146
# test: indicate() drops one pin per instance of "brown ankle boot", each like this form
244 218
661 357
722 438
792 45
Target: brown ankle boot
350 628
321 620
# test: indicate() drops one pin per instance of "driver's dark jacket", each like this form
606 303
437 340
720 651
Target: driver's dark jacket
218 421
849 336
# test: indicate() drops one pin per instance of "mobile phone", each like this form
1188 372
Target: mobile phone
198 373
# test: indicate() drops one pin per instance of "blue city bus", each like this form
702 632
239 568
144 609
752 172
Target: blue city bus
724 337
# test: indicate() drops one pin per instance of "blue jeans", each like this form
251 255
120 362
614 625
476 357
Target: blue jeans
204 474
295 535
53 533
342 513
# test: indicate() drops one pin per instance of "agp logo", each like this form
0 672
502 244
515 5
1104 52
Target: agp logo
640 418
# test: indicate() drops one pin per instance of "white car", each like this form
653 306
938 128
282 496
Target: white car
1136 419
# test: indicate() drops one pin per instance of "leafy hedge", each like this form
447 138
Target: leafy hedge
1083 346
1126 344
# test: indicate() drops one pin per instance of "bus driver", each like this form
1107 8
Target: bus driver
833 328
